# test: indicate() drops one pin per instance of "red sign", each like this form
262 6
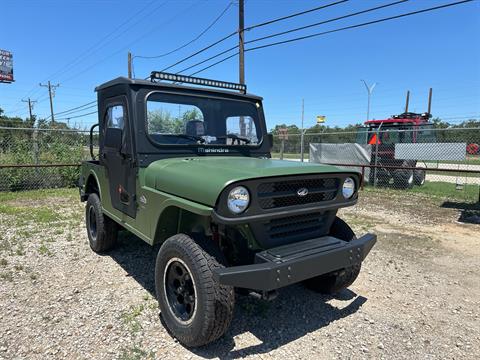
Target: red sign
6 66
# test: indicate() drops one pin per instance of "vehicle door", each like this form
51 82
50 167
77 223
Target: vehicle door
118 156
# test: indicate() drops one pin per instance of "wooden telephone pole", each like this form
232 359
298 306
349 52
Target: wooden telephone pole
51 94
241 54
30 107
129 65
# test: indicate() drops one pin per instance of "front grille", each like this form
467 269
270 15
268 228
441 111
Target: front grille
296 228
284 193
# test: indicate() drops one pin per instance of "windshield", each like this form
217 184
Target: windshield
188 120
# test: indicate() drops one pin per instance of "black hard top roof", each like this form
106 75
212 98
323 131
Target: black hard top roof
164 85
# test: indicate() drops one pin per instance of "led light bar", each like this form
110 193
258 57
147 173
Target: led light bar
157 75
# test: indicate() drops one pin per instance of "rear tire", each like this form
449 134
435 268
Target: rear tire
336 281
196 309
419 177
403 179
101 230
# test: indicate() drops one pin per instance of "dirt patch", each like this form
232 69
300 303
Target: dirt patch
416 297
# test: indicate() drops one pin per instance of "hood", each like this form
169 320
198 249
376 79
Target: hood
201 179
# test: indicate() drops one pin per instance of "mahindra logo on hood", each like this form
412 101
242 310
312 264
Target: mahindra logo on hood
302 192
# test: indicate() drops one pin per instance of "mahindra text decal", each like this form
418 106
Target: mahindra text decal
213 150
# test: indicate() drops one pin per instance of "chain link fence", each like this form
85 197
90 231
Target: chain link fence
436 160
32 158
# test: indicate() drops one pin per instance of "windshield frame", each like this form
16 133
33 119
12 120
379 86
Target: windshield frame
261 134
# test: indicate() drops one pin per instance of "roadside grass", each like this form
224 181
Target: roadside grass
306 155
437 190
30 213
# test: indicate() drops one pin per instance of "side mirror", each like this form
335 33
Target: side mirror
270 141
113 138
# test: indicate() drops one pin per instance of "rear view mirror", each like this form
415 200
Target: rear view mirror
113 138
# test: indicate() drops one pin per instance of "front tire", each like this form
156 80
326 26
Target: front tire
195 309
101 230
336 281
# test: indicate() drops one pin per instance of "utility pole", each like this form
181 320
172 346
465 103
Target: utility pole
30 107
407 101
370 91
302 131
241 54
129 65
51 94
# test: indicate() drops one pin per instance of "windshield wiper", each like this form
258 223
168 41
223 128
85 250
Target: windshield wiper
191 137
235 137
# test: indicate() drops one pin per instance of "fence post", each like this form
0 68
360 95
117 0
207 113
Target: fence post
282 148
376 157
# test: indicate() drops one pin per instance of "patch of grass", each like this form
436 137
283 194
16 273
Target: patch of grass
3 262
24 214
38 194
130 318
20 251
43 250
18 267
440 190
7 275
135 352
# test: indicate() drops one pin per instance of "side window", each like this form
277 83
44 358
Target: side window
243 126
115 117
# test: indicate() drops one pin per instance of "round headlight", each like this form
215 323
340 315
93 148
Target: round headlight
348 188
238 200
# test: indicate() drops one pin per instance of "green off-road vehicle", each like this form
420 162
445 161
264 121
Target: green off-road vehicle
189 167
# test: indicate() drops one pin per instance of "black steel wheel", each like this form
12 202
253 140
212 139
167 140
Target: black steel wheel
180 289
101 230
194 307
336 281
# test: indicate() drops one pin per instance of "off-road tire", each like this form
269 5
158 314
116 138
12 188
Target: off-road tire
336 281
214 302
101 230
403 179
419 177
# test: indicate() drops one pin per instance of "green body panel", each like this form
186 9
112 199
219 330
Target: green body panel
201 179
178 194
154 211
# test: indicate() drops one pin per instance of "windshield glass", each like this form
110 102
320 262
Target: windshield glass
188 120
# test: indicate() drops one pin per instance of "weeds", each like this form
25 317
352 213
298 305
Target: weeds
129 318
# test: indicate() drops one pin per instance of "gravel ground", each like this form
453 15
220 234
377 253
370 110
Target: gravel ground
417 296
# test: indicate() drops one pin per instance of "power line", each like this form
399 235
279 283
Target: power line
326 21
201 50
191 41
130 43
338 30
293 15
359 25
84 54
249 28
79 108
78 116
296 29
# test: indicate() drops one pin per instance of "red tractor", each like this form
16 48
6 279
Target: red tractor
383 135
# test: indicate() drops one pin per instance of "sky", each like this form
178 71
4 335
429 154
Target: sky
81 44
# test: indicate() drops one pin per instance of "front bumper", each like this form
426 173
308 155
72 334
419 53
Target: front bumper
292 263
